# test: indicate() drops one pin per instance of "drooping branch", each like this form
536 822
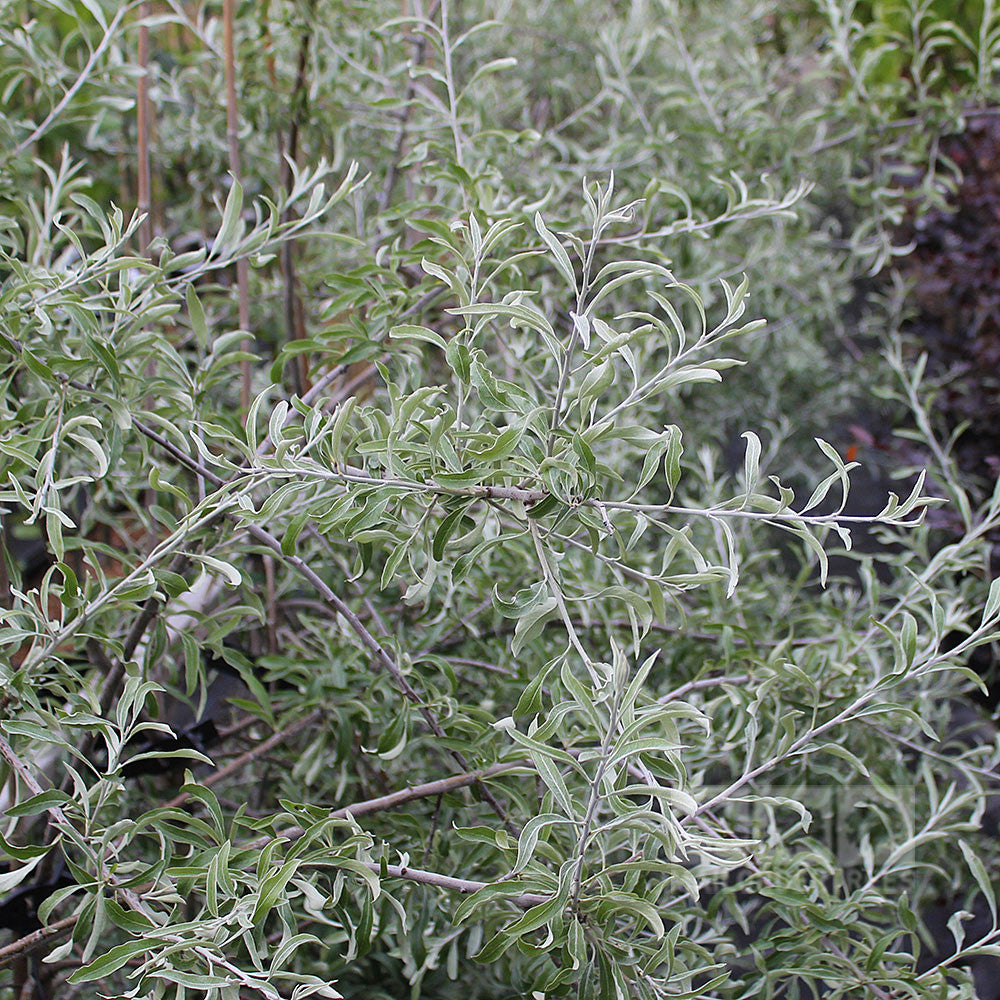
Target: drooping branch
380 656
404 795
128 896
378 652
35 940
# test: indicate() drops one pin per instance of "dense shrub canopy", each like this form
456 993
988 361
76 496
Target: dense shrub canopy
423 443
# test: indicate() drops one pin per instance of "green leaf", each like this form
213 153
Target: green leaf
559 256
528 839
230 220
537 917
908 637
139 589
522 602
128 920
53 798
12 879
650 464
112 961
25 853
272 887
524 315
980 874
992 607
544 507
458 356
751 463
197 316
35 366
505 444
230 573
494 948
291 535
530 702
553 780
406 331
446 529
33 731
531 624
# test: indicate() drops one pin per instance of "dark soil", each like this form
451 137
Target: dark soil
955 272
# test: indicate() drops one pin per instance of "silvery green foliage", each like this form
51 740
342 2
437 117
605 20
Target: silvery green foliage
499 533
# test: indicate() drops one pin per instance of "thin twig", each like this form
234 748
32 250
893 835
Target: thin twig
245 758
692 67
792 750
144 197
365 374
705 682
439 787
21 770
448 882
288 155
481 664
392 175
193 464
393 799
449 82
80 80
271 603
233 141
957 764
